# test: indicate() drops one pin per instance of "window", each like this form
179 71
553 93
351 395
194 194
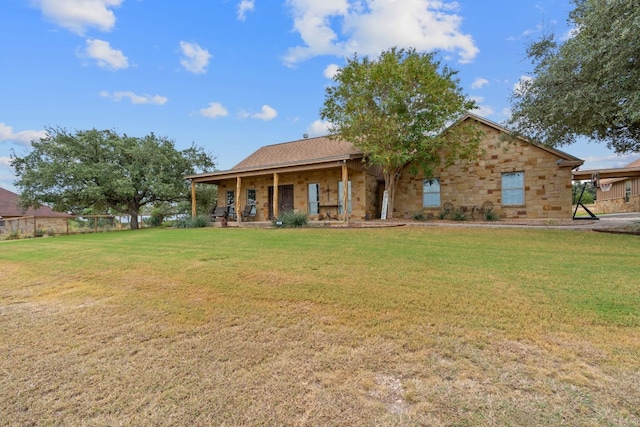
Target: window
431 193
231 201
627 191
513 188
341 197
314 199
251 200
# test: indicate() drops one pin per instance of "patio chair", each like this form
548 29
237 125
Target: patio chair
246 212
220 212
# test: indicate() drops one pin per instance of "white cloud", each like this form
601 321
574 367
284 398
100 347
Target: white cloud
342 27
77 15
571 33
522 84
243 7
331 71
23 137
266 113
6 174
134 98
319 128
104 55
195 59
609 161
479 83
482 110
215 109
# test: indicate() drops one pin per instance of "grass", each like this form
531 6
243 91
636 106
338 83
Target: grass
386 326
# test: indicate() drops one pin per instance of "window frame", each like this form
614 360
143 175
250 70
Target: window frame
311 203
230 197
512 190
627 191
436 194
252 201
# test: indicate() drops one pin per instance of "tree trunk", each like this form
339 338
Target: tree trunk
390 181
133 212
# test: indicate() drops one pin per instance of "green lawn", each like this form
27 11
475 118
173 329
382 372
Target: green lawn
381 326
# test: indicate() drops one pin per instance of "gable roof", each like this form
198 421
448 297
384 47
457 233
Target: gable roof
634 164
302 151
9 207
566 159
307 153
324 151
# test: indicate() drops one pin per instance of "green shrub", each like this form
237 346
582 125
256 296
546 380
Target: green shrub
291 219
154 221
491 216
419 216
459 215
197 222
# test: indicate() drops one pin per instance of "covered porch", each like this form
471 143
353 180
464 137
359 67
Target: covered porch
319 189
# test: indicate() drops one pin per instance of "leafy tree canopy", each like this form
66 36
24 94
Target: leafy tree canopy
589 85
395 109
105 171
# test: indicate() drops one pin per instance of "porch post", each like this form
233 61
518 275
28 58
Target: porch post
275 195
194 212
345 191
238 200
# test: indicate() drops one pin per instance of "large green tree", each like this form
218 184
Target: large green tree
589 85
105 171
396 109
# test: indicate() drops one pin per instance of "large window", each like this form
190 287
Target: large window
251 200
314 199
513 189
431 193
231 202
341 197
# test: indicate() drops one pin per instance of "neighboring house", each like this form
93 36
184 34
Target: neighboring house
45 217
623 194
321 176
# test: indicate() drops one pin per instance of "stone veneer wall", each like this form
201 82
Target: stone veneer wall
618 205
612 201
548 190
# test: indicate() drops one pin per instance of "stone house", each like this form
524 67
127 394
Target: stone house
13 219
518 178
322 176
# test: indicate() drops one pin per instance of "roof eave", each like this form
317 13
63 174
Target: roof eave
273 168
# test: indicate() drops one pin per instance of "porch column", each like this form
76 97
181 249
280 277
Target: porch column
238 200
275 195
194 212
345 191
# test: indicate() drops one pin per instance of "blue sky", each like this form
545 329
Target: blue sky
233 75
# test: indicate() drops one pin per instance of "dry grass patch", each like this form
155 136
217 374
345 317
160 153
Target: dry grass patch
321 327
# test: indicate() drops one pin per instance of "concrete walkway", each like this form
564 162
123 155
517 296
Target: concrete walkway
607 221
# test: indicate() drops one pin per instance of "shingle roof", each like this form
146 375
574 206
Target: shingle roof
308 150
9 207
635 164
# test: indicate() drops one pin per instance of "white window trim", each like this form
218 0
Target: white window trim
519 188
313 202
431 181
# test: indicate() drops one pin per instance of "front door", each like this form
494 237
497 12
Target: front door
285 199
